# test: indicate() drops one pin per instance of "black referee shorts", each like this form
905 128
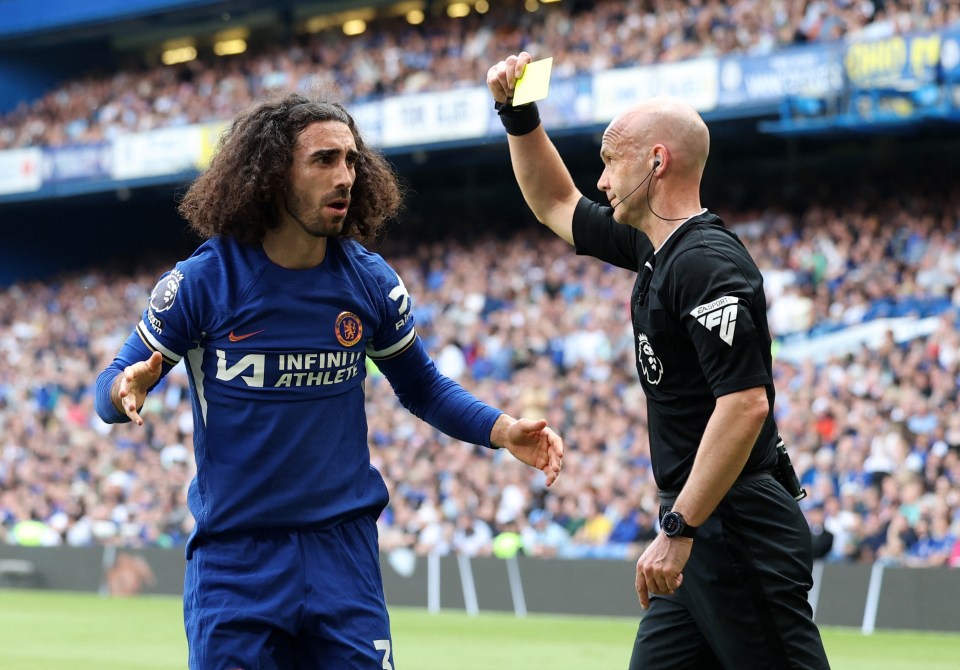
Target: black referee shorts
743 601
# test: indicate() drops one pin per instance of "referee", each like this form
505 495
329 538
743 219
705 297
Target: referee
725 582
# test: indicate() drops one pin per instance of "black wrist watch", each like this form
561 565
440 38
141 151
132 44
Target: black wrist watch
673 525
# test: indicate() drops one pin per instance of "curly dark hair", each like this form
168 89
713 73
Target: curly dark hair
236 196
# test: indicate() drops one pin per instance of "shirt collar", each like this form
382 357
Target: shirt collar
667 238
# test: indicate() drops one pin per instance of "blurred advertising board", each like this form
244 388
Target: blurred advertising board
950 55
82 161
158 152
814 71
426 118
694 81
901 61
369 120
895 65
570 104
20 170
209 141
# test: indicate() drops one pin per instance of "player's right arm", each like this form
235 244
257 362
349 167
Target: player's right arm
171 324
122 387
129 389
544 180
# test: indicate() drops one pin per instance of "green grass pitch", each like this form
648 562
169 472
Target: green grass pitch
43 630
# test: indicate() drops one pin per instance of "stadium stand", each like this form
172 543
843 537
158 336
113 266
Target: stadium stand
502 315
862 274
393 57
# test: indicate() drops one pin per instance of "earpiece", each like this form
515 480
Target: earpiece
656 164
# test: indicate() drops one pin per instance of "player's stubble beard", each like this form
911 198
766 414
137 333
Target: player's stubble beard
319 223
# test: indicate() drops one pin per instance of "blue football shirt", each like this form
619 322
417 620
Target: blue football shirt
276 361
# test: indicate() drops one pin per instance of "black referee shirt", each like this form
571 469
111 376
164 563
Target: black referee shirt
700 329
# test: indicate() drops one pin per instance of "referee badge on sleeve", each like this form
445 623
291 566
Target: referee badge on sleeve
720 313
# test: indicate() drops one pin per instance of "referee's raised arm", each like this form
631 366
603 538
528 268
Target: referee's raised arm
544 180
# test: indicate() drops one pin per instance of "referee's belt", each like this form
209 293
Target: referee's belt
667 498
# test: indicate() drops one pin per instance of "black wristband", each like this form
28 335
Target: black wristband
518 120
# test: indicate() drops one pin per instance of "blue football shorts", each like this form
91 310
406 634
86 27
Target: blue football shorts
284 600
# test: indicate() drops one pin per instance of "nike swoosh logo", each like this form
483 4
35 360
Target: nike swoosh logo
237 338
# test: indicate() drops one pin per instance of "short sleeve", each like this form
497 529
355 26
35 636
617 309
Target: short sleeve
597 234
172 321
714 300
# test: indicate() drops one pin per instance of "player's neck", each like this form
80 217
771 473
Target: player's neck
293 249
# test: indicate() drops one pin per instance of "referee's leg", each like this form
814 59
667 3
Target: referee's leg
756 613
669 639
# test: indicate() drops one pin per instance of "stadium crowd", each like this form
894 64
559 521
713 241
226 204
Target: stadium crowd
874 431
393 57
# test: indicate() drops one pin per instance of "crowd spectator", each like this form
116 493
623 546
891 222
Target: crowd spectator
393 57
874 431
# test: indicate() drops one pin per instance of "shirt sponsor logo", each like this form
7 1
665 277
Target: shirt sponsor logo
349 329
289 370
721 312
649 363
237 338
155 322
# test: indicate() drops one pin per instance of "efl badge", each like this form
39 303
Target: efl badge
348 329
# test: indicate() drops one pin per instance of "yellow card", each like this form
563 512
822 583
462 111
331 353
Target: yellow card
535 82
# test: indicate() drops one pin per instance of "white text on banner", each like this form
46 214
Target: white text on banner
436 117
157 152
694 81
368 117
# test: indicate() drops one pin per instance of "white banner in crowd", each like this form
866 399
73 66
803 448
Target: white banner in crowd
694 81
435 117
20 170
158 152
871 334
369 120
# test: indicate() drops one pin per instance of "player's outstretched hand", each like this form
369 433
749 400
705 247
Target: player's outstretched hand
534 443
502 77
132 384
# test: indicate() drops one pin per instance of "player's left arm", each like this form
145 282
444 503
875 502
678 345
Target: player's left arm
448 407
439 400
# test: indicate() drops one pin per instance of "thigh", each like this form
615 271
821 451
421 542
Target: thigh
241 597
346 624
750 579
670 639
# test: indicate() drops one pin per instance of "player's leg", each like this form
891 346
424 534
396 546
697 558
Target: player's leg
241 597
756 613
669 639
345 619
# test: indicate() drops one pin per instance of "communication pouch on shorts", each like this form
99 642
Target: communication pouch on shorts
785 474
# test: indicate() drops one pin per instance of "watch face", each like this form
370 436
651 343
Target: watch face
671 523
